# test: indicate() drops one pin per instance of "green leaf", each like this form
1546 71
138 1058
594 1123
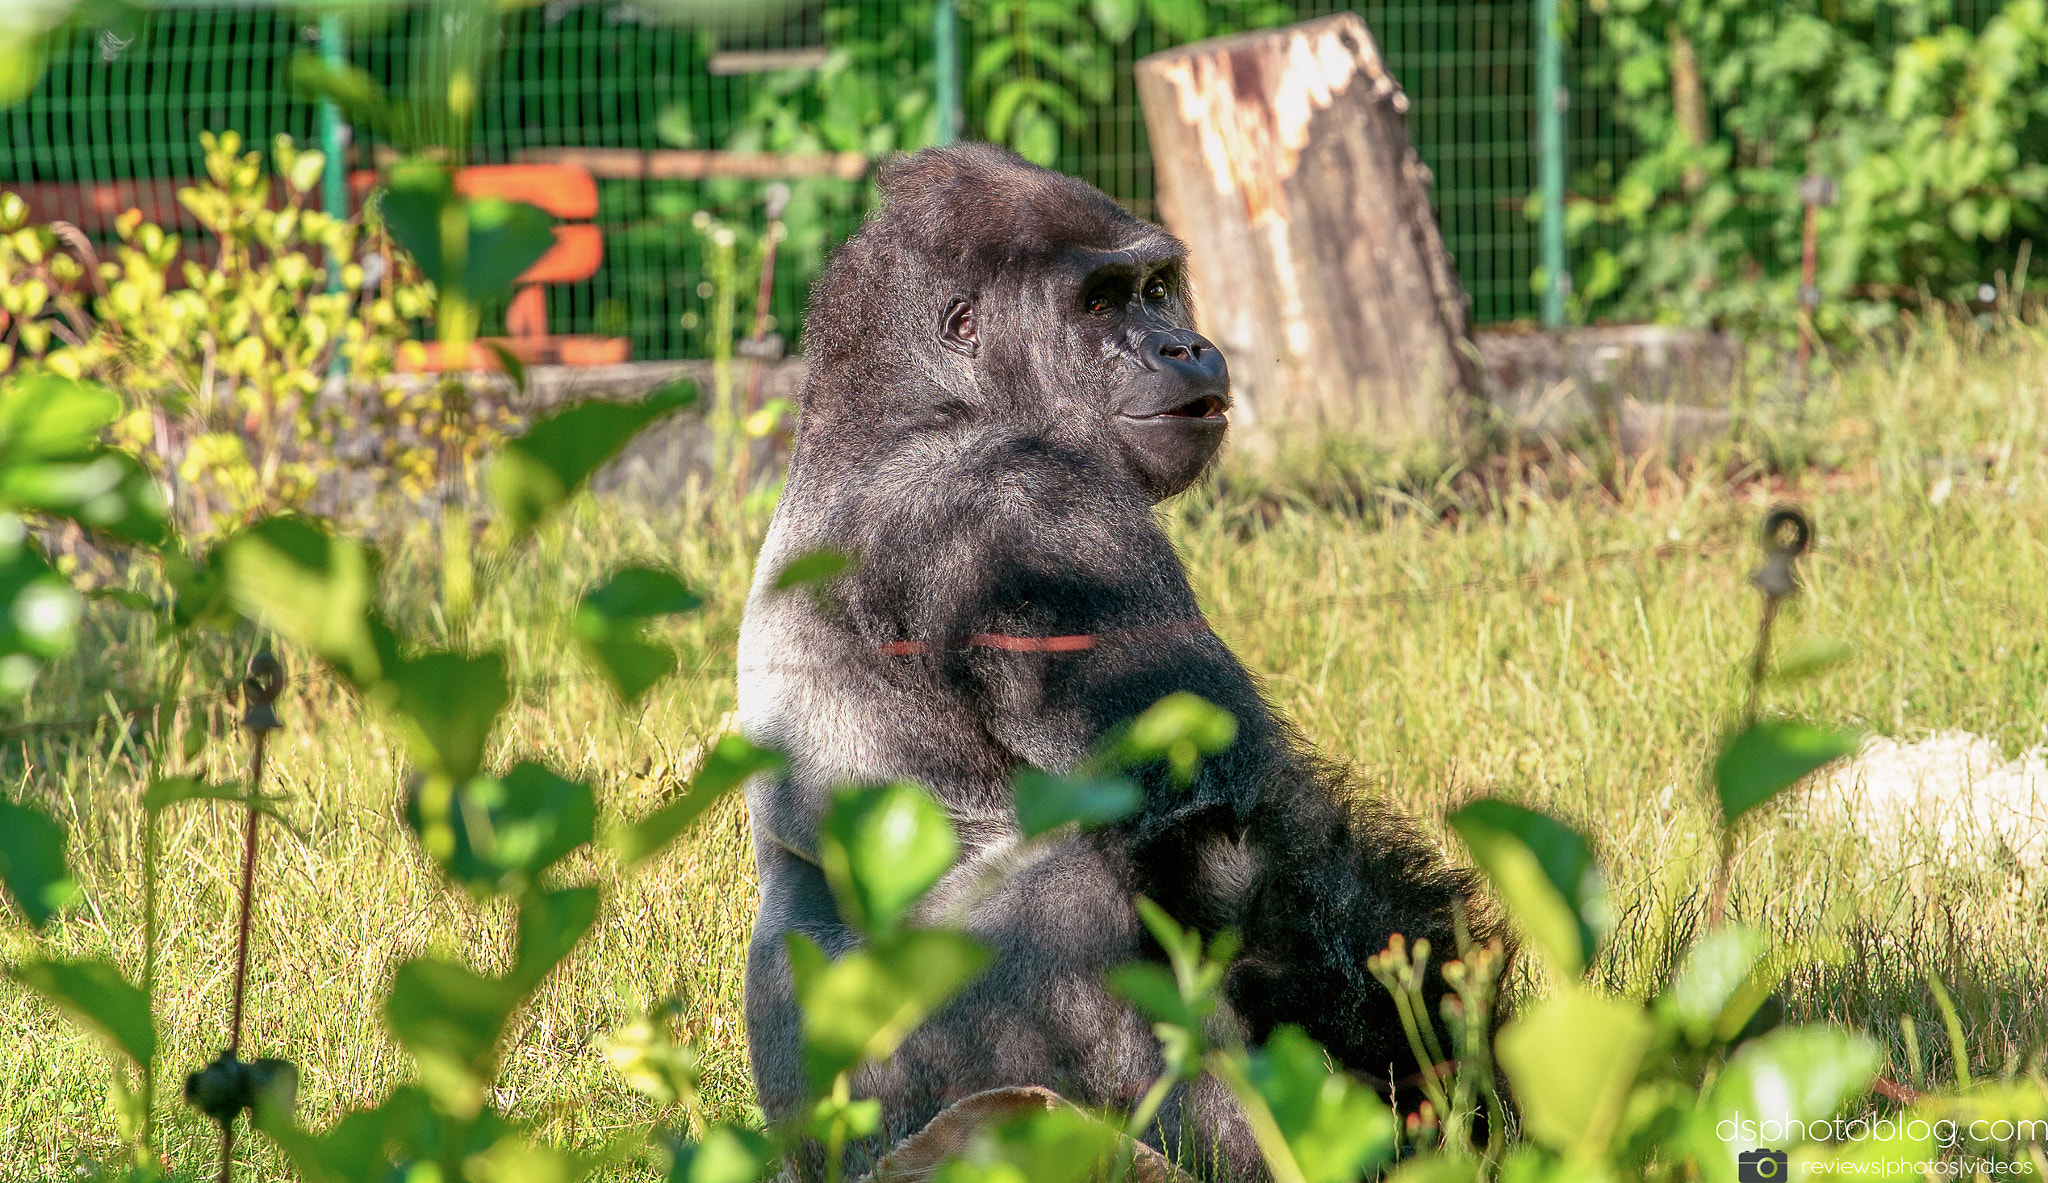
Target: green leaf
450 1019
637 593
813 567
1545 873
132 600
1437 1168
1003 104
1801 1074
357 1148
312 586
1151 988
1811 657
550 924
200 595
862 1006
105 491
505 238
32 865
1715 992
38 609
631 666
509 362
674 127
500 835
727 1154
609 623
1020 1139
1572 1058
51 417
447 703
21 64
51 460
1036 136
1180 729
170 790
415 194
94 994
517 1158
542 469
355 91
881 848
1337 1128
1768 757
1184 996
474 246
1046 802
1116 18
726 767
1182 20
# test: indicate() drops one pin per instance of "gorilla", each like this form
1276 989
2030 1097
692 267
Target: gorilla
1004 382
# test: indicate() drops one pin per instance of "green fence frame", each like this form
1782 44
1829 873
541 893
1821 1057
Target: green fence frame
593 75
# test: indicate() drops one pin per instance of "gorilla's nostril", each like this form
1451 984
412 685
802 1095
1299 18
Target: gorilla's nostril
1176 352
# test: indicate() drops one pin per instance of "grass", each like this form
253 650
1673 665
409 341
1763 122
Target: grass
1573 641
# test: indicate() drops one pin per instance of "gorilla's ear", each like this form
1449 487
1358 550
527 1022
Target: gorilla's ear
956 328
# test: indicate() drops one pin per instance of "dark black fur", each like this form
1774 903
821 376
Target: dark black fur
976 465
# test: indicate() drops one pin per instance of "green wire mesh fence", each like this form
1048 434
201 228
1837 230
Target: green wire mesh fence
116 120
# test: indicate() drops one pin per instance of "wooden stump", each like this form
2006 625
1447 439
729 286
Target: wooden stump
1283 162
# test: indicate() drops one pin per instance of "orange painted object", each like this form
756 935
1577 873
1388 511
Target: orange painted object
527 315
563 190
577 252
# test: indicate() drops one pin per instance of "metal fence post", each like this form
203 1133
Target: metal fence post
334 137
334 134
1551 98
946 62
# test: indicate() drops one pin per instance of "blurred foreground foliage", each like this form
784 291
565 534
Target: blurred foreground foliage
1605 1086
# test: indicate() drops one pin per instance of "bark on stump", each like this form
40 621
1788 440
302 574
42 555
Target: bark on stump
1284 163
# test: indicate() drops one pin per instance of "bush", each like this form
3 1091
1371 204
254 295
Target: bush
1931 132
259 378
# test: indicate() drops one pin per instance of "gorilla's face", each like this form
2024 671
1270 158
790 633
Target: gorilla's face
1110 329
1167 412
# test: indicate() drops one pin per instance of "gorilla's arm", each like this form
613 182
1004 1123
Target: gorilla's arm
1264 841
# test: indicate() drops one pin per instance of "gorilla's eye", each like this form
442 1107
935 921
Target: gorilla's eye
1100 304
1155 290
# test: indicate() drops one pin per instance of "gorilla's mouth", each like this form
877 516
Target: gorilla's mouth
1208 406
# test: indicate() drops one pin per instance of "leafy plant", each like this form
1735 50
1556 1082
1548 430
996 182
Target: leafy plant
1929 130
228 366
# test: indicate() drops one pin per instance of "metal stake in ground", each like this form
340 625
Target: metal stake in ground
259 718
227 1086
1786 535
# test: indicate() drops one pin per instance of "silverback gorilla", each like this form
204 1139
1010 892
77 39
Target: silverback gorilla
1003 383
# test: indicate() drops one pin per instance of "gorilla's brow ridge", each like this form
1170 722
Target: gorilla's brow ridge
1136 258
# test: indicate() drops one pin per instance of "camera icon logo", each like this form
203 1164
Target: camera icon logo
1762 1166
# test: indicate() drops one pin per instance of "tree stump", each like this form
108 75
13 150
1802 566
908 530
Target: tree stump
1284 163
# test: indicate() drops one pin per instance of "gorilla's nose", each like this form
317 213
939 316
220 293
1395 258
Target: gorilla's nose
1192 356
